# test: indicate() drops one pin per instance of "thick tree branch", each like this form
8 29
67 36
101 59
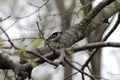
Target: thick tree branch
80 31
25 68
74 49
6 62
68 38
83 29
5 57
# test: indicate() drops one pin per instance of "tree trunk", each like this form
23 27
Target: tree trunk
96 36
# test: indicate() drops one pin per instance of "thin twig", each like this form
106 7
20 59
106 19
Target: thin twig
27 15
113 29
95 50
21 39
29 43
79 70
74 61
43 58
41 35
104 39
9 40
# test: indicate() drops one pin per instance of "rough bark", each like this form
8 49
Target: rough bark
66 16
93 37
96 60
74 34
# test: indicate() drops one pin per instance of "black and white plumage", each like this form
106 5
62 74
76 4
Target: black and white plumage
55 36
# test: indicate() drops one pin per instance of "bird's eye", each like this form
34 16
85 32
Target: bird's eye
54 35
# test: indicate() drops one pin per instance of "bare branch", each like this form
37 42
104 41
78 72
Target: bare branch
79 70
9 40
104 39
113 29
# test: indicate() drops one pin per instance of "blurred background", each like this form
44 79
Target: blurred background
18 18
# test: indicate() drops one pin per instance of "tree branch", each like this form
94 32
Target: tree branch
83 29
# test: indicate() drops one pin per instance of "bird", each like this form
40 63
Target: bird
54 37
